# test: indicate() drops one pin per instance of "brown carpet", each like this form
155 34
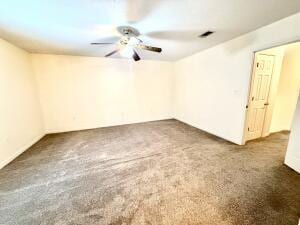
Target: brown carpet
157 173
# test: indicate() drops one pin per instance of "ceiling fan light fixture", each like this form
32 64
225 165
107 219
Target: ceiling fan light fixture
127 52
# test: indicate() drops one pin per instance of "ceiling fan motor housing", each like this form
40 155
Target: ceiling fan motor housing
128 31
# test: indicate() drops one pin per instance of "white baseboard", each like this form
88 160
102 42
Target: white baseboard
20 151
210 132
88 126
292 162
61 130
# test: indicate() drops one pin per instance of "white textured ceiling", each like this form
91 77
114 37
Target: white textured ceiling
68 26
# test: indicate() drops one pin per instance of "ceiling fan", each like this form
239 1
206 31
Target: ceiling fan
128 42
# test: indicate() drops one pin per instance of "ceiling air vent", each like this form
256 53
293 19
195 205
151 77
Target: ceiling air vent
206 34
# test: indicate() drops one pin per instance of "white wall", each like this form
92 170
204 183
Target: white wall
20 117
292 158
211 87
86 92
287 91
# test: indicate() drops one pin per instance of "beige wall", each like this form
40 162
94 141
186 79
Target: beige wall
287 91
211 87
86 92
20 118
292 158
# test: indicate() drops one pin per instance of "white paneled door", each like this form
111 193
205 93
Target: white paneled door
258 101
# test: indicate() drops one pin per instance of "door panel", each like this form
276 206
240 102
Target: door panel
260 87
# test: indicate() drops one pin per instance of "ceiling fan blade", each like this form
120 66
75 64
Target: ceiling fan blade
135 56
149 48
99 43
111 53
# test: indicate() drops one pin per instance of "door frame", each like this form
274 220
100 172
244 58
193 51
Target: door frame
251 79
277 45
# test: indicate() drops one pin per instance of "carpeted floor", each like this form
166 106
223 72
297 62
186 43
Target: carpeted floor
156 173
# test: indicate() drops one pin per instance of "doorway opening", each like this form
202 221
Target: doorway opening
274 91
